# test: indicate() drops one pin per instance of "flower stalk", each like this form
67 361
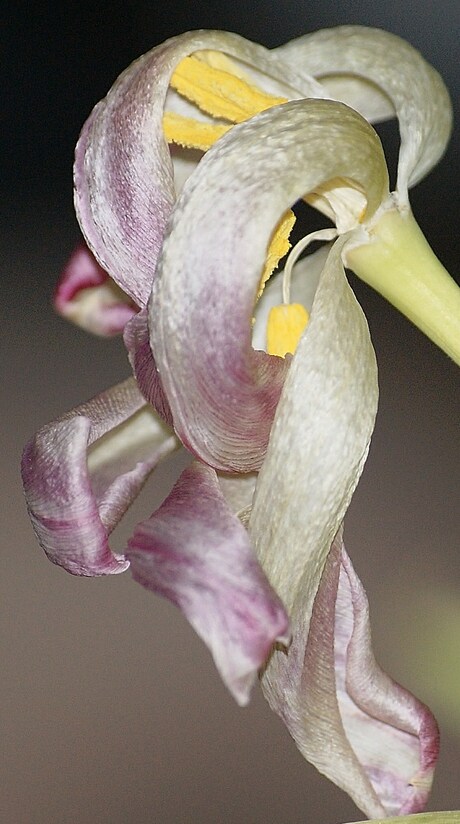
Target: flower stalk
396 260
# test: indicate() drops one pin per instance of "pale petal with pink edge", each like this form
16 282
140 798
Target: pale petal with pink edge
223 397
359 728
81 473
324 421
195 552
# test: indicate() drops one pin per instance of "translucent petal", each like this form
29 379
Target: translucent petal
361 729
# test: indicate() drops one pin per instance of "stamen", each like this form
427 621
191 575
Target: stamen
279 247
220 93
321 234
286 322
285 328
191 133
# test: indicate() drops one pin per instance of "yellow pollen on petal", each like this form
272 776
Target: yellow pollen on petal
191 133
285 327
220 93
279 247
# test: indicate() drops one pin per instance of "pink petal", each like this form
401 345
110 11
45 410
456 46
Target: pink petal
196 553
222 393
86 295
348 718
82 472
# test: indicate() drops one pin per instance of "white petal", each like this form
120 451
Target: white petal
417 92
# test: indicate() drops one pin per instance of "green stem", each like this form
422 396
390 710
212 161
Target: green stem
397 261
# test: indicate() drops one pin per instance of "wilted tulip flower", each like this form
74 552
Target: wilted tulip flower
185 179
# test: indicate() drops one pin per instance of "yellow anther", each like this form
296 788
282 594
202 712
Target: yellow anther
278 248
285 327
220 93
191 133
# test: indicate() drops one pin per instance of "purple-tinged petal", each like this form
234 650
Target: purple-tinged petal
348 718
136 339
326 686
222 393
82 472
366 695
195 552
124 182
368 58
86 295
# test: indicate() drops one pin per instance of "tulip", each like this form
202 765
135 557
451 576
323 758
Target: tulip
185 177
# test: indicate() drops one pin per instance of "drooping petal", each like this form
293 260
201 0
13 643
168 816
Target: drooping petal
195 552
417 92
222 393
399 754
86 295
359 728
123 170
318 445
82 472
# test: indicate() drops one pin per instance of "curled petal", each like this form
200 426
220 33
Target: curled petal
318 445
222 393
416 91
319 441
326 686
81 473
196 553
124 182
359 728
86 295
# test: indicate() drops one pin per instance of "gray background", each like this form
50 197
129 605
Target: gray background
112 711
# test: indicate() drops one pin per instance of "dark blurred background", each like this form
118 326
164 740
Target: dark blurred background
112 711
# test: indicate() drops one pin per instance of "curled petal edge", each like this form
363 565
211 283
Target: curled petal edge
415 90
348 718
123 173
81 473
